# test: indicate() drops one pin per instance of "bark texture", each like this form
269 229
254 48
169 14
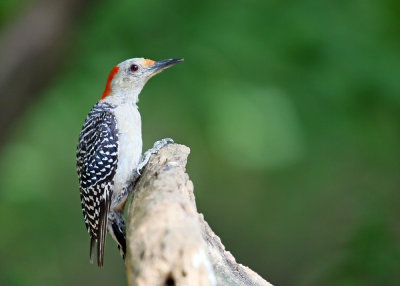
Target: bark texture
168 241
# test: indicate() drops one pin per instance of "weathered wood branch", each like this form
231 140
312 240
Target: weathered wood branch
168 241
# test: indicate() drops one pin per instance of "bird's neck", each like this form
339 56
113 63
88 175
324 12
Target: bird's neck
121 96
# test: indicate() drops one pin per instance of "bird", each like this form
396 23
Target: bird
109 152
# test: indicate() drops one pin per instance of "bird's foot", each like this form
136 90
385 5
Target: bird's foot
156 147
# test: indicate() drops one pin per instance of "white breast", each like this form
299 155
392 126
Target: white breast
129 125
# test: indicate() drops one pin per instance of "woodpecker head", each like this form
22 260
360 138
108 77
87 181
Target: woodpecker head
127 79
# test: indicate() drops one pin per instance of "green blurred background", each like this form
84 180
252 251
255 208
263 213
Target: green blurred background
292 113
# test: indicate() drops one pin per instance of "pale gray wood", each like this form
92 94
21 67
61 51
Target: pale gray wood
168 241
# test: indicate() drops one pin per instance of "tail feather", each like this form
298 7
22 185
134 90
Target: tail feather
92 242
119 235
101 243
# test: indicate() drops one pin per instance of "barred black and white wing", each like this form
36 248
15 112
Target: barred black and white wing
97 157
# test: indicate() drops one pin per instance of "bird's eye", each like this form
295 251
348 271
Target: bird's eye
133 68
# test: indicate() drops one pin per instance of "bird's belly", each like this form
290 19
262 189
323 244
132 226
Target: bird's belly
130 145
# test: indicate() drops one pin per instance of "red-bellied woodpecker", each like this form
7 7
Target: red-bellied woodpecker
109 151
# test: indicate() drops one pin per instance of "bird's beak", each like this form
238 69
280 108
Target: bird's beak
162 65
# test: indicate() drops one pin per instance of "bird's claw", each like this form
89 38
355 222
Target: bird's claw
159 144
156 147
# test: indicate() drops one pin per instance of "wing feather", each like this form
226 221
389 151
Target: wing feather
97 157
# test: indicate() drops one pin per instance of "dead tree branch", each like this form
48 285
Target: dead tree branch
168 241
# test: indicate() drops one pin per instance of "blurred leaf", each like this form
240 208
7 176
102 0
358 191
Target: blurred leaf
254 127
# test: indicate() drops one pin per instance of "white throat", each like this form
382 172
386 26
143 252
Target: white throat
122 96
